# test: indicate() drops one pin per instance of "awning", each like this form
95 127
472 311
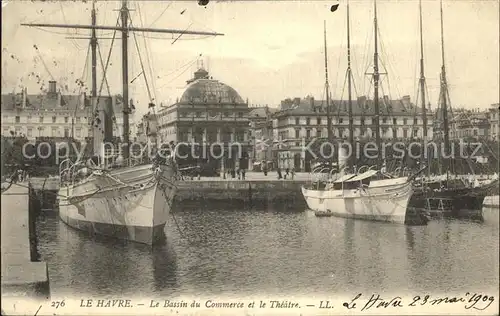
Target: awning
364 175
344 178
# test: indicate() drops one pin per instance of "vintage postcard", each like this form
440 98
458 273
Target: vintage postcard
250 157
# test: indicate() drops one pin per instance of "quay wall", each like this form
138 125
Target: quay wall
22 275
247 191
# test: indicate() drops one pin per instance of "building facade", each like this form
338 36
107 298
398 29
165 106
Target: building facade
261 135
470 124
55 115
208 112
301 120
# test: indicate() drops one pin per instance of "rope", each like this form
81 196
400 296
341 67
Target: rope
150 57
141 63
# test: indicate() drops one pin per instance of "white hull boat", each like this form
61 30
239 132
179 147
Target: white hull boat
355 196
131 203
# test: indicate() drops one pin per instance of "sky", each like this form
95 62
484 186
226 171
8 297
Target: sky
271 50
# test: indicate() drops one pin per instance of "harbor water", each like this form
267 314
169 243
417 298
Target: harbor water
254 253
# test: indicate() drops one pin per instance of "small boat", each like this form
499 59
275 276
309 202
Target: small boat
323 213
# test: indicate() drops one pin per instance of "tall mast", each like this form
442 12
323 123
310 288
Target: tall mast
328 117
422 86
124 18
93 47
124 29
376 77
349 88
444 93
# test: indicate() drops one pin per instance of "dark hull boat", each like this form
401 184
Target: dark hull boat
452 198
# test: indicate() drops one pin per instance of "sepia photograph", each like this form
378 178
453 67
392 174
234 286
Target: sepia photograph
239 157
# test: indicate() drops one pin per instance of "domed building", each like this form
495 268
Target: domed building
209 112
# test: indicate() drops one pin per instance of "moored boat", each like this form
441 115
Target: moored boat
115 195
130 203
360 197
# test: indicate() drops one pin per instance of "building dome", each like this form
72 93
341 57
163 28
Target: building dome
204 89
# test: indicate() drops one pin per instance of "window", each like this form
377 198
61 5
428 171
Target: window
297 121
78 120
415 121
54 131
308 121
318 120
183 114
29 118
395 121
198 114
308 133
297 133
405 121
226 114
362 121
384 120
18 119
240 136
66 131
405 133
66 119
341 120
240 114
78 133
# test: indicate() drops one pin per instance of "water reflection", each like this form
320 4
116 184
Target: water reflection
259 252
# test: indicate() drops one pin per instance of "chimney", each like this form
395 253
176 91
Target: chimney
361 103
386 99
25 97
311 99
82 101
296 101
52 86
406 101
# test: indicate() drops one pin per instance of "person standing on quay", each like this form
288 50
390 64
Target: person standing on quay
279 173
293 173
242 174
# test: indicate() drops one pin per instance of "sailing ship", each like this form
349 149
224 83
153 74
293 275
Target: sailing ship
457 192
118 196
365 196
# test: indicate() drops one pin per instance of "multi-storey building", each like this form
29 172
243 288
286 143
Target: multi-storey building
261 134
208 112
470 123
301 120
55 115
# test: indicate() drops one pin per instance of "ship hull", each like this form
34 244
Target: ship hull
460 198
128 203
366 204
